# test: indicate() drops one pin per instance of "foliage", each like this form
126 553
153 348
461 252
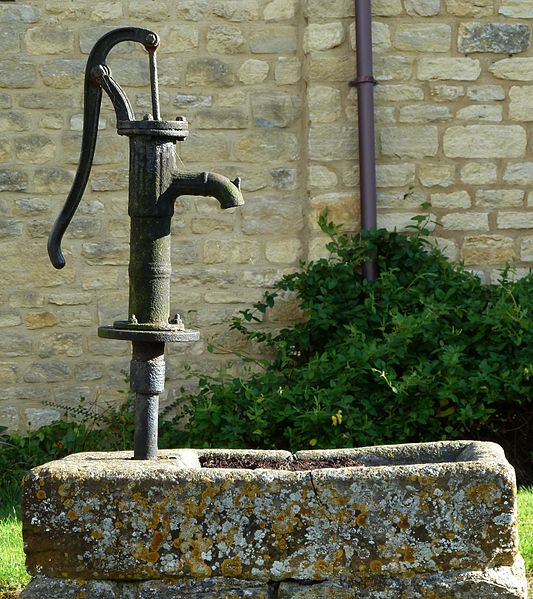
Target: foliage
84 429
425 352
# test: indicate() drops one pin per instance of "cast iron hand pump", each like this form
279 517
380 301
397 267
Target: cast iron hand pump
155 183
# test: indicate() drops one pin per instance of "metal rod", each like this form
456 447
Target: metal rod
154 85
147 380
365 97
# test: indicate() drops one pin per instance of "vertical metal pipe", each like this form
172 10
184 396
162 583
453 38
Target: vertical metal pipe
147 380
365 98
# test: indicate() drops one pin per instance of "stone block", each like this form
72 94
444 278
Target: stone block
203 72
386 8
526 249
253 71
40 320
219 118
323 36
515 69
458 69
391 68
13 180
321 177
275 110
225 39
408 533
332 9
519 173
60 344
17 73
446 93
323 68
479 8
5 101
179 38
63 73
479 173
486 93
191 10
422 8
47 372
465 221
517 9
481 112
150 10
395 175
332 142
205 146
409 142
11 120
456 199
284 178
487 250
422 37
324 103
49 40
342 207
52 180
284 251
521 103
436 175
485 141
398 93
218 251
23 13
287 70
110 253
269 215
10 228
514 220
237 10
499 38
34 148
280 10
278 39
424 113
270 145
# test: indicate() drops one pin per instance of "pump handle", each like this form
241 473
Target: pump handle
97 77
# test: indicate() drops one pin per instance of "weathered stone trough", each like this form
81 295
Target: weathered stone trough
406 521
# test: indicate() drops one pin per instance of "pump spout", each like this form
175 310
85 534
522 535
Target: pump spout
227 192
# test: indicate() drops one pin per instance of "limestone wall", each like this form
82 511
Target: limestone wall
264 86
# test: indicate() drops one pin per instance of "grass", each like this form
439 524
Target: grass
13 576
525 526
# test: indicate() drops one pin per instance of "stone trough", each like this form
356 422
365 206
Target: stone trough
434 520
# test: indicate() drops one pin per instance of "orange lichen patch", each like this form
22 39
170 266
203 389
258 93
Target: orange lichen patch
152 556
63 490
97 535
157 540
484 492
362 519
401 521
40 494
375 566
72 515
231 567
407 554
284 522
449 535
68 502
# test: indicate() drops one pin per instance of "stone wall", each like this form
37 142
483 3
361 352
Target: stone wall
264 86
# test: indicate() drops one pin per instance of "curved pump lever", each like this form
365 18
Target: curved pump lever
98 77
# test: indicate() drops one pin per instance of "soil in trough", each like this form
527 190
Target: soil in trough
250 462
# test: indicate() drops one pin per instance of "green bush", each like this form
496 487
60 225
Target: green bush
83 429
425 352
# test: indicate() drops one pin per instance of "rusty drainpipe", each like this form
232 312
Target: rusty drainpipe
365 100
